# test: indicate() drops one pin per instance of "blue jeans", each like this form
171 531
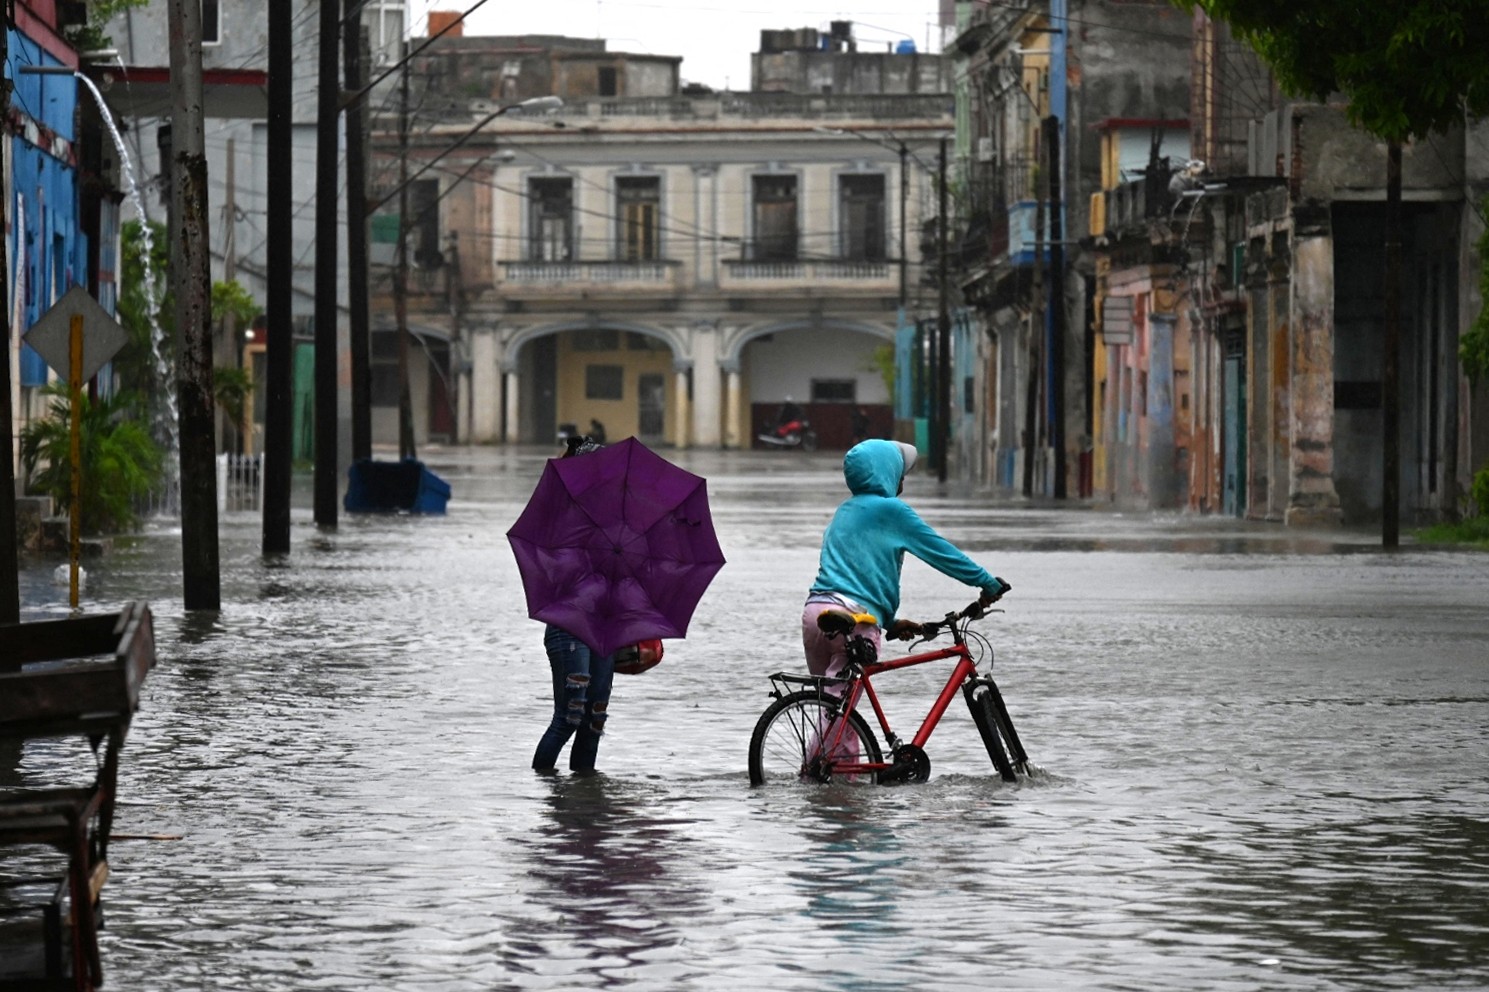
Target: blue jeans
581 697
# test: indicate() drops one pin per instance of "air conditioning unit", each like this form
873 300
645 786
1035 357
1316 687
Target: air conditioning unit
985 152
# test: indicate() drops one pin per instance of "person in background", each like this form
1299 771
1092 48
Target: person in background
581 683
596 431
860 424
863 550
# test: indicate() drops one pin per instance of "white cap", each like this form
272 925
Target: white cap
908 452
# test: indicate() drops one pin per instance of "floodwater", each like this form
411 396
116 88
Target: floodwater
1261 765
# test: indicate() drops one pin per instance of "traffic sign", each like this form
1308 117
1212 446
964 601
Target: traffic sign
102 335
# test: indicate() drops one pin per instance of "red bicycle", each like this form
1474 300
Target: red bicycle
814 732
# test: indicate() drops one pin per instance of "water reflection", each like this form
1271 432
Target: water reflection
1265 767
605 856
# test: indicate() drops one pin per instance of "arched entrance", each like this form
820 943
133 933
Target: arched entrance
838 372
592 378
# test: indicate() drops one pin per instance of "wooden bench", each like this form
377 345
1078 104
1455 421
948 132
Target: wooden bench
70 678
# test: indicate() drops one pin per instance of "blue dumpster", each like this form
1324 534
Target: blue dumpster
394 487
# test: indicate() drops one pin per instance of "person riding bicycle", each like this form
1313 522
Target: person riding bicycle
863 551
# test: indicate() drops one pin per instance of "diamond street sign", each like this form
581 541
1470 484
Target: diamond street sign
102 335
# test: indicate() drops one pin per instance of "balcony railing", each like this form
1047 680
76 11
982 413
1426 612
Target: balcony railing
810 270
647 275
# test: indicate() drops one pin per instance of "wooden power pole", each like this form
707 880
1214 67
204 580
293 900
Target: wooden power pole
280 260
327 170
192 280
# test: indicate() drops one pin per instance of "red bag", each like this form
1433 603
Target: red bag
638 658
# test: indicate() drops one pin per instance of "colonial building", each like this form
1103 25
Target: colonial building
674 265
1057 97
1240 313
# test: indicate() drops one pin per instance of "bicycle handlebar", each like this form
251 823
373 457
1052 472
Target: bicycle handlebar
974 610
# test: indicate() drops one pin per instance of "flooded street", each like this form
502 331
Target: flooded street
1262 765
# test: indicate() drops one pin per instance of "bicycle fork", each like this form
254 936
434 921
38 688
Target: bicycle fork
996 727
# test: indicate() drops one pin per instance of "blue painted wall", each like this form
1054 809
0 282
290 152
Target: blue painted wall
48 251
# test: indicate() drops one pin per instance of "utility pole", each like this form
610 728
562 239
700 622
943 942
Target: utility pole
400 282
353 46
190 272
1036 325
10 557
455 297
941 414
230 345
1056 345
1390 371
326 175
904 195
280 264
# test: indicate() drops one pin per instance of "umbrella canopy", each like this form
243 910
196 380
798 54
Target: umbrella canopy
616 546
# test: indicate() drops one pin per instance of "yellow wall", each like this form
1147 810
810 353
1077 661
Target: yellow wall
621 417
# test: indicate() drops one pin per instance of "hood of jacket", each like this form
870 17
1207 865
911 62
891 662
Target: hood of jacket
874 468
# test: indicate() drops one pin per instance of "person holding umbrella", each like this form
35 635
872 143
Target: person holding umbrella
582 679
615 550
863 550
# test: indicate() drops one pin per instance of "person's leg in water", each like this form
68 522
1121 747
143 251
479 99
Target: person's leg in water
828 656
596 712
573 681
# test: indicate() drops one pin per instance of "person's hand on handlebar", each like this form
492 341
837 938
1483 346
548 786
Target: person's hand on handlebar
904 630
989 598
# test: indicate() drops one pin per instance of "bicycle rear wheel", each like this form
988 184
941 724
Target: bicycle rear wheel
787 743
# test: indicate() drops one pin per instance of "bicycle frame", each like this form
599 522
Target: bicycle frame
863 686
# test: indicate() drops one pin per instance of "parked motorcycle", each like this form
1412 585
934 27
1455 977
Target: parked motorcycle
796 433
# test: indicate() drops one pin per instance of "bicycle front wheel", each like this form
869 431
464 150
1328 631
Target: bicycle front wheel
787 745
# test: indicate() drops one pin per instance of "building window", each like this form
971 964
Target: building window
211 22
861 217
834 391
775 219
551 212
638 208
601 339
423 224
603 382
607 80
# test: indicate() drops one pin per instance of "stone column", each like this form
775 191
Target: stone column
511 381
706 385
733 438
680 406
1161 457
1312 500
1279 372
706 208
484 390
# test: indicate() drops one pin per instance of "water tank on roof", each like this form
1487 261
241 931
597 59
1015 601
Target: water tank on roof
905 47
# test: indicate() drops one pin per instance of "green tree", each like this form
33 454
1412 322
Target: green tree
1407 68
121 463
230 298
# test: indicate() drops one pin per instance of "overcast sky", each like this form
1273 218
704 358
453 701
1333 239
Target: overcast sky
714 37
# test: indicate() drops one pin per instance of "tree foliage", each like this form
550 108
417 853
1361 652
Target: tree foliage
1407 67
121 463
230 298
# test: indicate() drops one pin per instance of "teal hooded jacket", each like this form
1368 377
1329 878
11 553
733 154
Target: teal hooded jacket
863 548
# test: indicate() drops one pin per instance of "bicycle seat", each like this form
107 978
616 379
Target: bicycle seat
833 621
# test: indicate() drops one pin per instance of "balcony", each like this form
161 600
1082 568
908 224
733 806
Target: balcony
834 274
542 278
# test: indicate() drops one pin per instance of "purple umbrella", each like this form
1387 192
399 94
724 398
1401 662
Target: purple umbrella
616 546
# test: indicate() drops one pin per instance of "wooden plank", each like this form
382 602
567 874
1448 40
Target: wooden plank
67 691
45 640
